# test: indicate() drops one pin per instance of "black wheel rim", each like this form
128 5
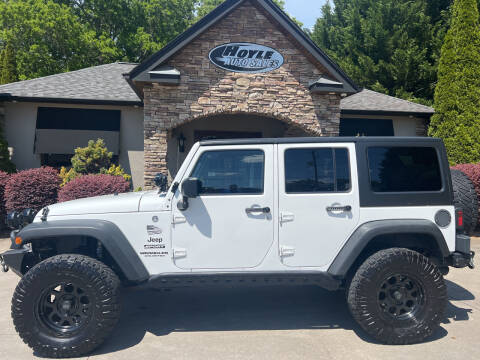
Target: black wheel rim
400 297
64 308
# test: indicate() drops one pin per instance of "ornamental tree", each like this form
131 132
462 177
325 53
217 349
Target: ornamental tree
92 159
456 101
8 73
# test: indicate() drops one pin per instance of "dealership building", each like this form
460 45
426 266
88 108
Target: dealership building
245 70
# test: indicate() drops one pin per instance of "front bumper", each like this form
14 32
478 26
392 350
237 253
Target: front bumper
463 256
14 259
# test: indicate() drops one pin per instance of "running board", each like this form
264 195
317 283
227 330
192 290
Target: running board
322 279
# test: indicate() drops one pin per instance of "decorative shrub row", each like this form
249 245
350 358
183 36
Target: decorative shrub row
93 185
33 188
37 188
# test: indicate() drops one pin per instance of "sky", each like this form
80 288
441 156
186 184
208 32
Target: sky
306 11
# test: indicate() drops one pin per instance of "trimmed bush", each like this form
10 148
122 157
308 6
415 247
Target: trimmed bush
93 185
3 212
33 188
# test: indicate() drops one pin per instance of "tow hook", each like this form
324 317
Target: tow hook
471 265
3 264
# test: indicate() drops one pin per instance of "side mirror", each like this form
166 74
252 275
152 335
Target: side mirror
161 181
191 187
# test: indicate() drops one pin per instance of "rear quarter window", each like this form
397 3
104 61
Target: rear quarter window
404 169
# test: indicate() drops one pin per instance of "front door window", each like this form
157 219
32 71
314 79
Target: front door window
231 172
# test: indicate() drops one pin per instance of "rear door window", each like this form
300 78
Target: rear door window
317 170
404 169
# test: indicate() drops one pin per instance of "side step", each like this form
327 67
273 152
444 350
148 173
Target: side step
322 279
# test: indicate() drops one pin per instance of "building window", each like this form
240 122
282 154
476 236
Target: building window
366 127
317 170
60 130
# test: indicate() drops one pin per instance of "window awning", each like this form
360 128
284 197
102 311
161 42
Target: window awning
60 141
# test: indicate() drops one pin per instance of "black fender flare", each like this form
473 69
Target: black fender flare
104 231
368 231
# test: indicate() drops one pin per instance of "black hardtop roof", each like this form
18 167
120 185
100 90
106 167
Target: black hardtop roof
396 140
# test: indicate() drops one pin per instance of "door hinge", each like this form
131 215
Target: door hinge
179 253
287 251
178 219
286 216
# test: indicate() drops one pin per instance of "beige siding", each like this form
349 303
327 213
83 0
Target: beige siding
20 133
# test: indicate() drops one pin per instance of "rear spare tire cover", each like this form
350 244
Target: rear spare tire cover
465 198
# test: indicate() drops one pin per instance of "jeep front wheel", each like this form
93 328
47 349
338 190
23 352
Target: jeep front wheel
398 296
66 305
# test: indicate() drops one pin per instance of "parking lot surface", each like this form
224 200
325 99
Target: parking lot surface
261 323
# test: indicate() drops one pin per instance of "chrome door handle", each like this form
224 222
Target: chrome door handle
265 210
346 208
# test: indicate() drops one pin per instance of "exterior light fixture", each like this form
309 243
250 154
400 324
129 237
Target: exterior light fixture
181 143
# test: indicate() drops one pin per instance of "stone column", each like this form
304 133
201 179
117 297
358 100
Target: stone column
155 154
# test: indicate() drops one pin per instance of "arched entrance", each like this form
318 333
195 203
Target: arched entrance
226 126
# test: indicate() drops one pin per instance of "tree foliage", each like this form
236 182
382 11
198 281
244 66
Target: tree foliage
8 72
53 36
135 28
49 38
206 6
391 46
457 95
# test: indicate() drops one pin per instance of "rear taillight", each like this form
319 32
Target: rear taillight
459 217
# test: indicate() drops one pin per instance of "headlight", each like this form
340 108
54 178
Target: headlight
13 220
17 219
27 216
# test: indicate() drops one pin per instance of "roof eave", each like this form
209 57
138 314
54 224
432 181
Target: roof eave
386 113
12 98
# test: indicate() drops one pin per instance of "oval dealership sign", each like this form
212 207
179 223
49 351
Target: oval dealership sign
246 58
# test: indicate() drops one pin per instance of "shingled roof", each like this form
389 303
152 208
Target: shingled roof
368 101
103 84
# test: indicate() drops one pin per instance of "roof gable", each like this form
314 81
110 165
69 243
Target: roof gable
142 73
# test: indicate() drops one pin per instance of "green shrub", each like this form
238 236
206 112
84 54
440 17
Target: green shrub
92 158
457 94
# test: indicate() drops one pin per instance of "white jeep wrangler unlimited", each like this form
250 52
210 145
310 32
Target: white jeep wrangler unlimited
373 216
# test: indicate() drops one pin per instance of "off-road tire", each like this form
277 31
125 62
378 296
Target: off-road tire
364 301
465 198
100 283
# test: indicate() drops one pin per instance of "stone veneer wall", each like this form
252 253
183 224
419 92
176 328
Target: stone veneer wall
205 89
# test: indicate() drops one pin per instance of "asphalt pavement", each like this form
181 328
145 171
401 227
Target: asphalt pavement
261 323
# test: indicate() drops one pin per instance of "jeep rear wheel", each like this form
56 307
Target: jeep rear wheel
398 296
66 305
